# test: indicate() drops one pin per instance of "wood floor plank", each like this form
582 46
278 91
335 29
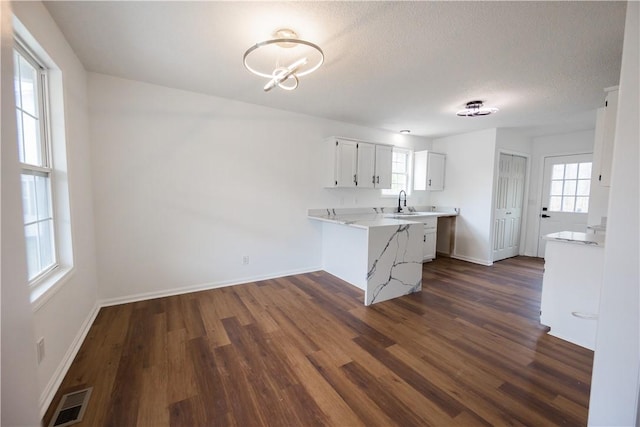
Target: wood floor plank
358 399
181 375
236 385
303 350
153 409
208 381
326 397
210 310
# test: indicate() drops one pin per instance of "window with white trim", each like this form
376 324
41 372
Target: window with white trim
570 187
34 152
400 172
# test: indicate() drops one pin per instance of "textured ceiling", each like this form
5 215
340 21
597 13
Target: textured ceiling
389 65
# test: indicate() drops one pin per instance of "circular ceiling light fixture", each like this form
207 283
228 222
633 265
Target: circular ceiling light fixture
475 109
405 131
283 59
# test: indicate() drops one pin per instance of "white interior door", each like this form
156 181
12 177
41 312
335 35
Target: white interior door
565 195
508 206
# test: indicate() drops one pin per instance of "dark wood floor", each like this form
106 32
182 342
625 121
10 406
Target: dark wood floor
304 351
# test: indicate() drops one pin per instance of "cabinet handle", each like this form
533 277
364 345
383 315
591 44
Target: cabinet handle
581 315
429 183
378 180
373 179
355 179
424 238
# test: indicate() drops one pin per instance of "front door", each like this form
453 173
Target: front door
565 195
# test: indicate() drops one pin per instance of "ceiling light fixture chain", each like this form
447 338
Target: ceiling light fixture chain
290 58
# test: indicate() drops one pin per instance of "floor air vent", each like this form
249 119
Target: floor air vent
71 408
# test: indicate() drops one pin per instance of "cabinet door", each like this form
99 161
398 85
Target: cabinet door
346 163
608 136
435 171
429 245
384 159
366 165
420 170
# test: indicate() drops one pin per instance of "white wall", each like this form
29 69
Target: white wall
469 173
19 389
185 185
512 141
62 318
614 387
541 147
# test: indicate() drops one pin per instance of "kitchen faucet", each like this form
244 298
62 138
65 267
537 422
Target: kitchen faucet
400 198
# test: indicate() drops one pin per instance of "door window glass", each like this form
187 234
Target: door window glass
570 186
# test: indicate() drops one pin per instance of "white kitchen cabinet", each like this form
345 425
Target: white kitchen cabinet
605 135
429 171
384 159
358 164
571 289
429 238
342 159
366 165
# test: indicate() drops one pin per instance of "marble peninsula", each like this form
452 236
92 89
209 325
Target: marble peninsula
373 249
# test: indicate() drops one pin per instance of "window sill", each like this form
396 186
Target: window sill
44 289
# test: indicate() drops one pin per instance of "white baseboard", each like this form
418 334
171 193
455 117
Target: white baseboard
201 287
473 260
56 380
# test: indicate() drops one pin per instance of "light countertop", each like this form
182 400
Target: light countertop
368 220
577 237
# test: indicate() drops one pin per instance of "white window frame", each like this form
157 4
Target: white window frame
49 282
574 194
45 167
409 173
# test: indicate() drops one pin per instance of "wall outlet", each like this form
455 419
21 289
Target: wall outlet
40 349
245 260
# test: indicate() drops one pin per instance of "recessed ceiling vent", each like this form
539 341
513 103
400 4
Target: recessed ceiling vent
476 109
71 408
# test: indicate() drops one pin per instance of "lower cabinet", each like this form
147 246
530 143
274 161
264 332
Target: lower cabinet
429 239
571 291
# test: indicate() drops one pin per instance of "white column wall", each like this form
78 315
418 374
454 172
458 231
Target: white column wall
19 389
469 172
615 381
64 318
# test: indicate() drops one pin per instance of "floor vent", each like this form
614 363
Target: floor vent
71 408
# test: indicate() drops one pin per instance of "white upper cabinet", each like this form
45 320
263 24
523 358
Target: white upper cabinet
342 158
358 164
603 147
384 160
366 165
429 171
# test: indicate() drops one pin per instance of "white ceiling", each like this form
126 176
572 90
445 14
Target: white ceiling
391 65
